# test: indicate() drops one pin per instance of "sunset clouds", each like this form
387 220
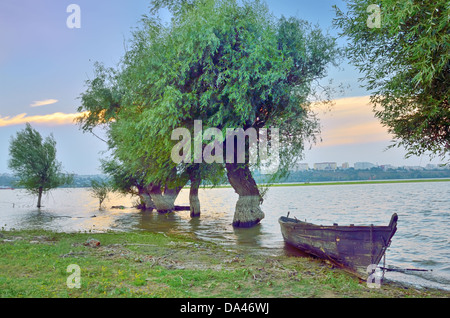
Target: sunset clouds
44 102
350 121
55 119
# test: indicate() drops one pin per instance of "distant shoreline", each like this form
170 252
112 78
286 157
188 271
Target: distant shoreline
327 183
357 182
301 184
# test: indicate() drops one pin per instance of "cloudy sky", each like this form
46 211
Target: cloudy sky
44 64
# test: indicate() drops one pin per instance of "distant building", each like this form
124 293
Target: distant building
387 167
325 166
345 165
300 167
363 165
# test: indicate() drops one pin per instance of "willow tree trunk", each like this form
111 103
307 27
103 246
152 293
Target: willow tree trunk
146 200
194 202
248 212
39 197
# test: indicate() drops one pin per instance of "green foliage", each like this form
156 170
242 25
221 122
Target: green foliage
101 99
122 180
406 67
33 160
228 63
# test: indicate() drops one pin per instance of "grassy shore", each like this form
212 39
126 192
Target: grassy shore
143 264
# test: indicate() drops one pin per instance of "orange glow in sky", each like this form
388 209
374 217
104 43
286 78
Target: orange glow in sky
351 121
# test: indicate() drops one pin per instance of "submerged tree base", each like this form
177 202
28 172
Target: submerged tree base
146 202
164 203
195 206
248 212
175 208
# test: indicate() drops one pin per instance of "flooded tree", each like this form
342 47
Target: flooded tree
100 189
232 64
33 160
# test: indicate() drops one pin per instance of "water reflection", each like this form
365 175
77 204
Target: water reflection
156 222
249 237
38 219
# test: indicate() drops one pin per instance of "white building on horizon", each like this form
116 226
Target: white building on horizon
300 167
325 166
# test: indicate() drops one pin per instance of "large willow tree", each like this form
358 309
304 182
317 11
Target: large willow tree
229 64
404 59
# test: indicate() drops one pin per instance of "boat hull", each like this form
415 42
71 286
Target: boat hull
353 248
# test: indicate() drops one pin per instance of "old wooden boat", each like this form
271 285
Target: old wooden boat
351 247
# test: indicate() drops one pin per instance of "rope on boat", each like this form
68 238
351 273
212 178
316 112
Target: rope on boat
392 268
402 270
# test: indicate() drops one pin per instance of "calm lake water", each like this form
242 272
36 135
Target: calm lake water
422 240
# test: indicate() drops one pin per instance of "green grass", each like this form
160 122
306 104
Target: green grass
142 264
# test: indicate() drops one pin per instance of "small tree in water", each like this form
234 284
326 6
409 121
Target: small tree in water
100 190
33 160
